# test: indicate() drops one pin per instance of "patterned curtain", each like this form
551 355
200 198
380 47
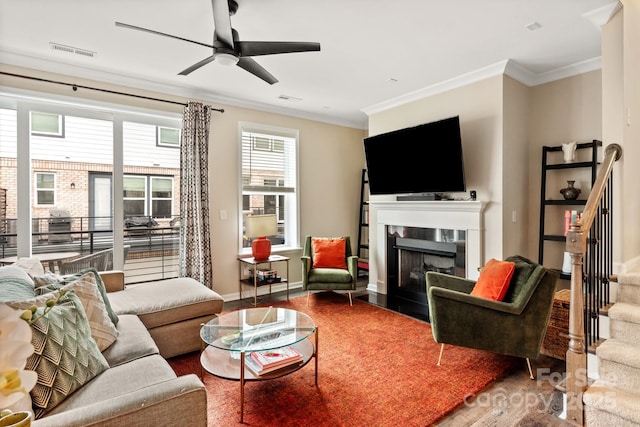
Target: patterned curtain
195 241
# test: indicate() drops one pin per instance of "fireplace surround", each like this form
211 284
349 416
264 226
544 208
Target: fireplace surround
464 216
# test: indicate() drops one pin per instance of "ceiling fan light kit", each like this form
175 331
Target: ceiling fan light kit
226 59
228 50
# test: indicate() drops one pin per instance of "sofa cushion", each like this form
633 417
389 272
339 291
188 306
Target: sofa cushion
133 342
65 356
167 301
31 265
49 282
120 380
15 284
103 330
525 278
328 275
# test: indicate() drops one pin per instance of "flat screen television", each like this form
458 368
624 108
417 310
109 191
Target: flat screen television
425 159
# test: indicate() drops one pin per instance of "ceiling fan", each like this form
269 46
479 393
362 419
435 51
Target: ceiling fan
229 50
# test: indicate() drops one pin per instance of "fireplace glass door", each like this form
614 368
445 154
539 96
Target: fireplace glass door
412 251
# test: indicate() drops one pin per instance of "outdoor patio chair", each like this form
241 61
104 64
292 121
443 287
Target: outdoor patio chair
101 261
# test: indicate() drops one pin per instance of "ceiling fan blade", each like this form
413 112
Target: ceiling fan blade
134 27
245 48
222 22
256 69
194 67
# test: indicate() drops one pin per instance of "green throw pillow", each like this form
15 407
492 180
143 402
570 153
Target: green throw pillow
51 282
65 356
15 284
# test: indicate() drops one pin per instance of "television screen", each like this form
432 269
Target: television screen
417 160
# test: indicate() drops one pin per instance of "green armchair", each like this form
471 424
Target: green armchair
323 278
515 326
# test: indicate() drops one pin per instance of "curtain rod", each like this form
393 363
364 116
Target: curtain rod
76 86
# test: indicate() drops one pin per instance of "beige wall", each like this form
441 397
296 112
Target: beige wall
504 126
480 107
331 160
613 112
620 118
631 136
561 111
516 152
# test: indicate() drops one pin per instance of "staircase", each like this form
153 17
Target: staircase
614 398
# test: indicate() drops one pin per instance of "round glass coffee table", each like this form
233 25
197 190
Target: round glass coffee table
228 341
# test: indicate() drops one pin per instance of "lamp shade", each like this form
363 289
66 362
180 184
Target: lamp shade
260 226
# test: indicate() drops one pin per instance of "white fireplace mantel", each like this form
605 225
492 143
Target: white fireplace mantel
454 215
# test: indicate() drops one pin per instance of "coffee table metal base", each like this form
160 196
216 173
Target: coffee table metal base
219 363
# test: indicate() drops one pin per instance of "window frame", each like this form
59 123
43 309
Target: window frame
289 210
148 194
61 122
151 198
37 190
161 143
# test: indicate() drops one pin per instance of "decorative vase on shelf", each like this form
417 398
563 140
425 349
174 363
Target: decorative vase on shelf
569 151
570 192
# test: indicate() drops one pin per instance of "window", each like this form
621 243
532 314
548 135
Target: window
45 189
161 197
135 195
78 155
47 124
168 137
148 196
269 168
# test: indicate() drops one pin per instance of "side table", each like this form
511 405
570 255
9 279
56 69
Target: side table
254 280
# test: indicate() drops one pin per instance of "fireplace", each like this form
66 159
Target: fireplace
463 216
412 251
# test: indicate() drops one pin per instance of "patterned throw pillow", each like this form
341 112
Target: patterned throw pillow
49 282
65 356
103 330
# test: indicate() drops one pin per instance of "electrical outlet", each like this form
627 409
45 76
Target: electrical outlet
472 193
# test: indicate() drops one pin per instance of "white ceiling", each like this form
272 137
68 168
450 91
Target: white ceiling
373 52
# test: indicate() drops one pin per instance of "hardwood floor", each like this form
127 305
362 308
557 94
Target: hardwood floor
515 400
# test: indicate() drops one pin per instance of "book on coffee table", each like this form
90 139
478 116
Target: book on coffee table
262 362
250 363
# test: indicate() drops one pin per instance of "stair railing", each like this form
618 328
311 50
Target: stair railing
577 378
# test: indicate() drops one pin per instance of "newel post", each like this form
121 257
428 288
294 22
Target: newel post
577 377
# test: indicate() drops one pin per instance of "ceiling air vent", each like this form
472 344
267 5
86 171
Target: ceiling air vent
69 49
289 98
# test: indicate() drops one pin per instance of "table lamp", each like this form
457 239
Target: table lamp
259 227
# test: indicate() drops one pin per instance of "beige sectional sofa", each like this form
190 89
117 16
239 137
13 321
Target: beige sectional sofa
154 320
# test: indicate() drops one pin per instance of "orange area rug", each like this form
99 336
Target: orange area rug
376 368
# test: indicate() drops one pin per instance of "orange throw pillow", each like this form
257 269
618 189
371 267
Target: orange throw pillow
329 252
494 280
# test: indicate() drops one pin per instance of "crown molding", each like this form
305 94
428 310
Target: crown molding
603 15
447 85
507 67
159 86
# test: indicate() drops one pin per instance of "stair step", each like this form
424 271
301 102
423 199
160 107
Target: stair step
619 364
629 288
608 405
624 321
593 347
604 310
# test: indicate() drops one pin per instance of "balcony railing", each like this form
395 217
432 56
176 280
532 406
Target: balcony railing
153 252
